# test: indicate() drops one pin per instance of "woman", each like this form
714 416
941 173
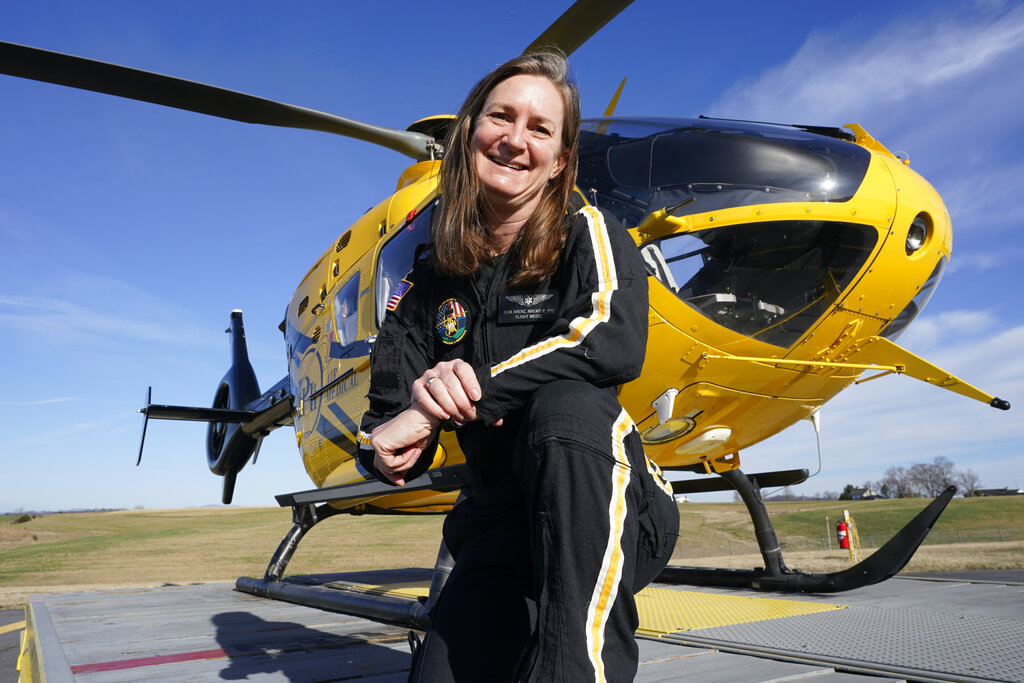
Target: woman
515 328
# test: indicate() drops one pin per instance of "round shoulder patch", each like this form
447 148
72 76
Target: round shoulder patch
451 321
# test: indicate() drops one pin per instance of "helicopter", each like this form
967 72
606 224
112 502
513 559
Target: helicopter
779 276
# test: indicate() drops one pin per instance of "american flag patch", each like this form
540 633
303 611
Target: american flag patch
401 290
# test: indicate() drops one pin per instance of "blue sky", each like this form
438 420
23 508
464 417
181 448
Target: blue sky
128 231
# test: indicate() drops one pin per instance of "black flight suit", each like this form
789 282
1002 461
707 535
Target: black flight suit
566 517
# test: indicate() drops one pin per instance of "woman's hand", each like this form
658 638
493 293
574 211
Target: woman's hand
399 442
448 390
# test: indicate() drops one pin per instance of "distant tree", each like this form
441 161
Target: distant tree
898 481
968 481
945 474
931 479
847 493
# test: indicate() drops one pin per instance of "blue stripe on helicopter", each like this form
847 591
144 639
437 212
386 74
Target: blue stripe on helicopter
340 439
330 432
344 419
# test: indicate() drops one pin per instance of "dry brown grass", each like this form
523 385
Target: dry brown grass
132 549
145 548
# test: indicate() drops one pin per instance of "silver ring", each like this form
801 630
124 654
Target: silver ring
427 383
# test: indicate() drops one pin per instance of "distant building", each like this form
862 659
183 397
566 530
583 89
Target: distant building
864 494
1005 491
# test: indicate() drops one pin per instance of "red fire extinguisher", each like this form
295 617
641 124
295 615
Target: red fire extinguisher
844 539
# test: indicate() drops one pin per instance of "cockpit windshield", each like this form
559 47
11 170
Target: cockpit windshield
770 281
632 167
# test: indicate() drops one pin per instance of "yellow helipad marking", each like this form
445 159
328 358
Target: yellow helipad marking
402 590
16 626
664 611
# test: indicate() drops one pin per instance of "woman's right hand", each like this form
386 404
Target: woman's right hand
448 391
399 442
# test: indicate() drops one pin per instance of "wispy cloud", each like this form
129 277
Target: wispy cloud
831 77
928 331
97 308
936 87
40 402
61 434
984 260
48 317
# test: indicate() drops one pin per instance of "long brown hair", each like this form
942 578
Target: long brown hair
461 239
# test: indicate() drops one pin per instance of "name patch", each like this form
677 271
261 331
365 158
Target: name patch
527 307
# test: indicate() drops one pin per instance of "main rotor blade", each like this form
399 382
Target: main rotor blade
111 79
575 27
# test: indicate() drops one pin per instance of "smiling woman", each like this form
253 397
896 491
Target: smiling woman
514 328
517 150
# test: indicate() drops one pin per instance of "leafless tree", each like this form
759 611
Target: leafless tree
898 482
969 481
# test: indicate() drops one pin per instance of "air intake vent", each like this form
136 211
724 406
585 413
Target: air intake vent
343 242
316 334
302 306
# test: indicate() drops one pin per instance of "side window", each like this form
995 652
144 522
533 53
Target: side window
346 308
396 257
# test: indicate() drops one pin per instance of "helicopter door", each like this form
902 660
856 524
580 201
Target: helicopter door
347 371
396 257
335 375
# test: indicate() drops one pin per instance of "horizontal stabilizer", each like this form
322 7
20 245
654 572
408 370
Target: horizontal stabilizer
196 414
271 410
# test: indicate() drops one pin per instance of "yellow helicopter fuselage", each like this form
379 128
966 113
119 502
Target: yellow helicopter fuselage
726 368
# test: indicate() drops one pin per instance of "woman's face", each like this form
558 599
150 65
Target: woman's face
516 147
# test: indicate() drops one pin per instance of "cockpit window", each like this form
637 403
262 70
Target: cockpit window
632 167
396 257
894 329
770 281
346 309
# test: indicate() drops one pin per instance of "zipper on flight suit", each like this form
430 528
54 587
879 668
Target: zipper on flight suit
490 305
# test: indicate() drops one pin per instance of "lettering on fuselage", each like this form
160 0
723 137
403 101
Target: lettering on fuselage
335 386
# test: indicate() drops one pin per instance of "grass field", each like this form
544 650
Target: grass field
89 551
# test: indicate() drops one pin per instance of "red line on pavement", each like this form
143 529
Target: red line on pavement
147 661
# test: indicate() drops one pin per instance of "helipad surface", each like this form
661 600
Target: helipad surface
903 629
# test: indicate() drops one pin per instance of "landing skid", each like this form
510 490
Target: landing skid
775 576
309 508
312 507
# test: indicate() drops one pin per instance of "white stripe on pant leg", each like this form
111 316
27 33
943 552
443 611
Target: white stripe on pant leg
607 587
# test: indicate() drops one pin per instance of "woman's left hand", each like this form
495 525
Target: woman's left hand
448 391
